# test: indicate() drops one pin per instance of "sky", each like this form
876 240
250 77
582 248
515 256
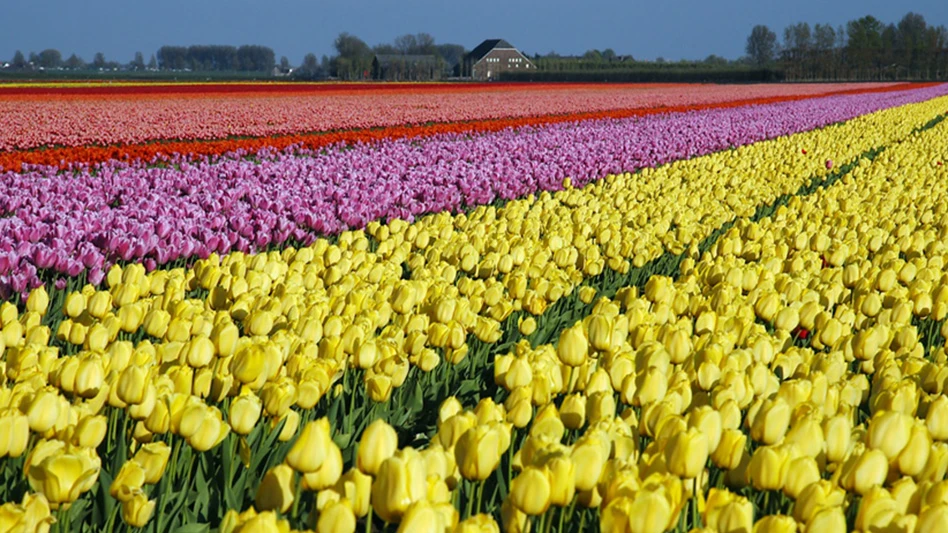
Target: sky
673 29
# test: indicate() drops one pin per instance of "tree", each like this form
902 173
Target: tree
761 45
911 42
75 63
34 59
406 44
50 58
863 45
285 63
385 49
153 63
451 53
98 62
354 60
609 54
18 60
138 63
425 45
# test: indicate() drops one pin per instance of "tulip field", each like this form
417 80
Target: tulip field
473 308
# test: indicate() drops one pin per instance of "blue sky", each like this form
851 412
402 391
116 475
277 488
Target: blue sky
673 29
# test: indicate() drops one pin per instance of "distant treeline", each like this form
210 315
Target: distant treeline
247 58
863 49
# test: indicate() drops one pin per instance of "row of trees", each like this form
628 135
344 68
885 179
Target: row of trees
209 58
51 59
863 49
353 59
249 58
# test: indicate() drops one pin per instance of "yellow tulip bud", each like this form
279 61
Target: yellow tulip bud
573 411
336 517
863 471
276 490
530 491
328 473
309 451
379 387
573 346
561 474
14 432
768 468
889 432
932 519
153 458
478 452
527 325
771 422
686 453
156 323
479 523
379 442
137 510
401 481
816 496
245 411
937 418
75 304
801 472
44 410
38 301
730 450
89 377
128 481
589 458
914 456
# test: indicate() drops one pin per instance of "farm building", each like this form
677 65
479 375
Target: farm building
491 58
396 67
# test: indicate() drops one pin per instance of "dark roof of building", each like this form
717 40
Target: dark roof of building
485 47
389 59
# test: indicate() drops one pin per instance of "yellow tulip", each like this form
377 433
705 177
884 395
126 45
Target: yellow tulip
775 524
276 490
14 432
801 472
768 468
932 519
827 519
865 470
44 410
379 442
561 474
479 523
138 510
336 517
771 422
328 473
245 411
815 496
38 300
62 477
478 451
128 481
573 346
530 491
309 451
889 432
686 453
153 458
401 481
